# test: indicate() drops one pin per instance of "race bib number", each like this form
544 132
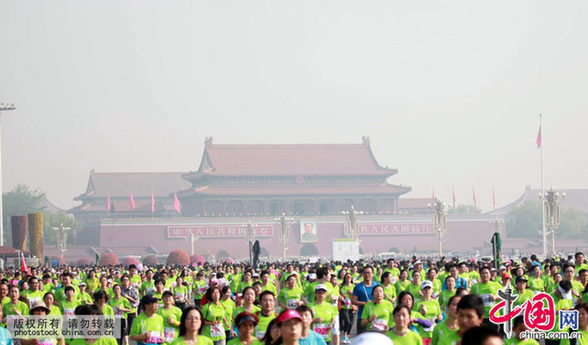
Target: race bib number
68 312
322 329
117 311
154 337
201 289
179 297
379 325
217 330
487 300
292 303
169 333
394 279
347 302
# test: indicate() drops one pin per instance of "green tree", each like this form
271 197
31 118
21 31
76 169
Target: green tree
524 221
465 209
54 220
20 201
572 223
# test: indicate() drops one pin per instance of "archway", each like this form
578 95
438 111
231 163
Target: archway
308 250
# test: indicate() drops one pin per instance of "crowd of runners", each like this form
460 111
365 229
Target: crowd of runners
409 302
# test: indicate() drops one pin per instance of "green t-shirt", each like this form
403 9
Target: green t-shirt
122 302
239 310
444 297
383 313
264 321
213 312
390 293
199 288
536 284
290 297
484 290
100 341
412 338
522 297
148 287
433 310
442 335
9 309
180 294
153 325
33 297
202 340
68 308
327 313
171 331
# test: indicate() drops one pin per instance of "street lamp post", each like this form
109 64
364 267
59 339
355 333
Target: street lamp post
551 204
3 107
439 222
352 230
61 238
192 238
284 231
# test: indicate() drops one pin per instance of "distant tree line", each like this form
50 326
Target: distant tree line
525 221
23 200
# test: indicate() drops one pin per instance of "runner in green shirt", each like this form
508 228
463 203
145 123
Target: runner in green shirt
449 292
148 287
518 326
68 306
290 296
445 333
171 318
266 314
376 314
215 315
486 289
400 333
389 288
324 313
429 308
14 306
402 282
147 328
180 293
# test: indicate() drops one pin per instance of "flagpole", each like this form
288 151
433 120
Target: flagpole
544 232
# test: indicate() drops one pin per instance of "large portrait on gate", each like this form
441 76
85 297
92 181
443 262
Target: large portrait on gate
308 231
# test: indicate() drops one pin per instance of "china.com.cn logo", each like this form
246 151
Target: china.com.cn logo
539 312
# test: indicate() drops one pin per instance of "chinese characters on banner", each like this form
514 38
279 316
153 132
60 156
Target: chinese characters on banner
220 230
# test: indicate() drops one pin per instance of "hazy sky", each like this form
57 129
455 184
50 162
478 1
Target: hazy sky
448 91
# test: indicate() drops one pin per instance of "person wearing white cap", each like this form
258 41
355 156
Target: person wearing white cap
429 308
324 313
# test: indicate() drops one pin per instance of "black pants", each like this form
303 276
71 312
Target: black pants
123 330
130 318
345 320
359 328
181 305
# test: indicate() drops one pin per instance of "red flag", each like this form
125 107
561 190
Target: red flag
475 200
493 198
108 202
539 138
131 201
23 265
152 203
177 206
454 200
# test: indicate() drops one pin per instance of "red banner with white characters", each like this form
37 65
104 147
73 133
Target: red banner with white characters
218 230
372 229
